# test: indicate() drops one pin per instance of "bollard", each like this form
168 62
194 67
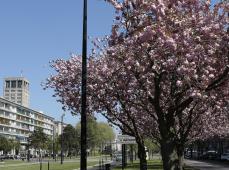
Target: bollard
48 165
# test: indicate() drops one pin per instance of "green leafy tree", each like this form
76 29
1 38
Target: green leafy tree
49 145
105 136
152 147
98 134
4 144
105 133
7 145
38 139
92 133
13 144
57 146
70 139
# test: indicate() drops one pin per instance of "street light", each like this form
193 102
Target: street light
61 158
83 141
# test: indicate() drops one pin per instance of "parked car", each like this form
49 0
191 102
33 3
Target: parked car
225 156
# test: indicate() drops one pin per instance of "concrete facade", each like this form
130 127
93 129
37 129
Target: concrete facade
18 122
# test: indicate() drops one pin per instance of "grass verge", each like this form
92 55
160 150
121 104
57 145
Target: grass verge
52 166
152 165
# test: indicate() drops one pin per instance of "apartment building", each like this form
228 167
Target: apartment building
18 122
16 89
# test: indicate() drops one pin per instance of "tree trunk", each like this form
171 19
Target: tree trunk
180 154
169 155
142 156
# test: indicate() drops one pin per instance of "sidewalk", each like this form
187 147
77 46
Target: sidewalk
207 165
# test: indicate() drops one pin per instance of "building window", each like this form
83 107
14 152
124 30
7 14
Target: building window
7 106
13 84
6 129
1 104
7 84
7 114
19 85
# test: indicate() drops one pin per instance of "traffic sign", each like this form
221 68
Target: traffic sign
126 139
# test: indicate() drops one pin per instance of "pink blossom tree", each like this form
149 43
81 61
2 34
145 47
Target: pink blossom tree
110 93
164 73
178 53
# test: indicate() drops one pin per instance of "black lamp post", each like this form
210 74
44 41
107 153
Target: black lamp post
53 143
61 155
83 142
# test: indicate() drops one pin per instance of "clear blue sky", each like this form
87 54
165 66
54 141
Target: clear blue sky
33 32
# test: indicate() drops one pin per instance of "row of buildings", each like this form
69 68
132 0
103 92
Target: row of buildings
17 120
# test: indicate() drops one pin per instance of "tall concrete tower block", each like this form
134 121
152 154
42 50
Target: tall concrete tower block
16 89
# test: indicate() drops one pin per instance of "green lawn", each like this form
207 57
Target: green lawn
9 162
152 165
53 166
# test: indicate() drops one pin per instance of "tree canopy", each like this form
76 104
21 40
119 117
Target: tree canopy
38 139
71 139
7 145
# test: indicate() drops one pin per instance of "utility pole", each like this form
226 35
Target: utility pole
83 142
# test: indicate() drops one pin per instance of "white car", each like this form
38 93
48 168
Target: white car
225 156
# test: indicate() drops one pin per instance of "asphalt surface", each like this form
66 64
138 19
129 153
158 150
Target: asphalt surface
202 165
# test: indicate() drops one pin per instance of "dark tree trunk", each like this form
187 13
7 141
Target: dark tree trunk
142 156
169 155
180 154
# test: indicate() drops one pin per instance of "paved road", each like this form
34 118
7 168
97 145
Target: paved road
206 165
